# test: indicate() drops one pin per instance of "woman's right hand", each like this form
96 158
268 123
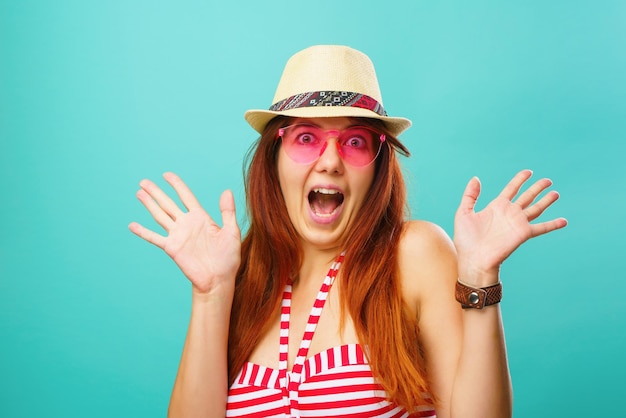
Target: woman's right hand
208 255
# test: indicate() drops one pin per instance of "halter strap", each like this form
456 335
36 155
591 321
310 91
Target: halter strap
290 381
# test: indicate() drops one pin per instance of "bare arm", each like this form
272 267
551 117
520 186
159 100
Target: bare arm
209 256
429 272
483 241
201 384
465 349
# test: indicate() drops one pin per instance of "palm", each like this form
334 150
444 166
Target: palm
485 239
205 252
199 247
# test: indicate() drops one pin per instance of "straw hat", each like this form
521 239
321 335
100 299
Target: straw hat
328 81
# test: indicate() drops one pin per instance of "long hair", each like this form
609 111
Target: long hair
371 292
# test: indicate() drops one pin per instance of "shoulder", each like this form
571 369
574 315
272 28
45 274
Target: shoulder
424 237
426 262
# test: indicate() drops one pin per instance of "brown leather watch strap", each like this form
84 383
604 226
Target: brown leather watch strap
478 297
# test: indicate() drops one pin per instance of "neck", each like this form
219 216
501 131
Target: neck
315 264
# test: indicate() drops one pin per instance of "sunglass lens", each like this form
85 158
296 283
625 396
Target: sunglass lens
303 143
359 145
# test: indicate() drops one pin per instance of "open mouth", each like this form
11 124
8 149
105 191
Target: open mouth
325 202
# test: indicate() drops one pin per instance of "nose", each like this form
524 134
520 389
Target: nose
330 155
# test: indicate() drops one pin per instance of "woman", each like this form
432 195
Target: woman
404 321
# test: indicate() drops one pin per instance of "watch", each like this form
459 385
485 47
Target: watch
478 297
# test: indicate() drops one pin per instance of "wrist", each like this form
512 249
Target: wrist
478 277
217 294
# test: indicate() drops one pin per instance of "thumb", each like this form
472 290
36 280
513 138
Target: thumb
470 196
227 207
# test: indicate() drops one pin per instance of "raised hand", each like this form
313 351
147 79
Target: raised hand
485 239
209 255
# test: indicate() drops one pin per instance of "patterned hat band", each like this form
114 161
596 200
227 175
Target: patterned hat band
330 98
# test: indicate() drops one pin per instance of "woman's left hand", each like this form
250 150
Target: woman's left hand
484 239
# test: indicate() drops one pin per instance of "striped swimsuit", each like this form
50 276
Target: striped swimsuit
334 383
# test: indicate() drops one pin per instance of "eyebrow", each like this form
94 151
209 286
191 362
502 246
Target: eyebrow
353 124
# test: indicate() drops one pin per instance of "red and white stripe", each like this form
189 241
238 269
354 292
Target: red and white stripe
336 382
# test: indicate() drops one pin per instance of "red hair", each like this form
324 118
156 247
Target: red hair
371 292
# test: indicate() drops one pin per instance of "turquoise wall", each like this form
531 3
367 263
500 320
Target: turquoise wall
95 96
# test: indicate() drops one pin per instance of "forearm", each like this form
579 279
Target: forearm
483 240
482 386
202 381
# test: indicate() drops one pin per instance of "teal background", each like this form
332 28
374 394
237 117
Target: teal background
95 96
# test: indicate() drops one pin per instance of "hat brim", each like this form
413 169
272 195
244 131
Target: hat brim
258 118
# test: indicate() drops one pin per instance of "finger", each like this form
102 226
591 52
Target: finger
511 189
533 212
163 200
470 196
533 191
545 227
185 194
146 234
155 210
227 207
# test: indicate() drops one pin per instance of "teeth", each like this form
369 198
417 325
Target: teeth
326 191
